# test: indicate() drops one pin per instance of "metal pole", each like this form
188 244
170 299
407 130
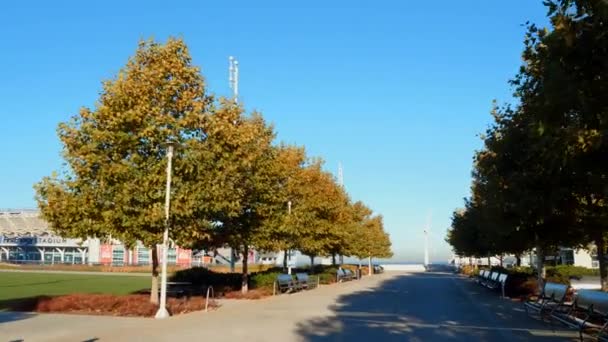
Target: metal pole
426 247
287 250
162 310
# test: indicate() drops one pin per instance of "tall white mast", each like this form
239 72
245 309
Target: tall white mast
233 77
233 82
426 240
340 174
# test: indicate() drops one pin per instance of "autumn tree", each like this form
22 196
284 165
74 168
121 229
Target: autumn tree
319 211
239 180
279 233
115 153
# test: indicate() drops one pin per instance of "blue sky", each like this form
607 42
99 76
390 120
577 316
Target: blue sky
397 91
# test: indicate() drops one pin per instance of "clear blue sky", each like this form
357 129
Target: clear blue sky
397 91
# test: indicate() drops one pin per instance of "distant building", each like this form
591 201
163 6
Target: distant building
25 238
296 258
565 256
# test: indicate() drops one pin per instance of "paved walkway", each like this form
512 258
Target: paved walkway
388 307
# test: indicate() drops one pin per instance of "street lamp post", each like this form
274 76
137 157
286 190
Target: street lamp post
162 310
287 250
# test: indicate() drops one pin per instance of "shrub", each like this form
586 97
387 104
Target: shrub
571 271
201 276
523 270
469 270
263 280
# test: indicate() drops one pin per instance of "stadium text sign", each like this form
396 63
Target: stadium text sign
38 241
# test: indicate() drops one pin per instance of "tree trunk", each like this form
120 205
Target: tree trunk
518 260
470 261
154 287
232 261
245 281
500 258
489 261
370 270
312 262
285 260
601 252
540 265
333 259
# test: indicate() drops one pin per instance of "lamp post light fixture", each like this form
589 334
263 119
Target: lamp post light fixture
162 309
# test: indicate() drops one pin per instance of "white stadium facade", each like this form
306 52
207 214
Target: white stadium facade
27 239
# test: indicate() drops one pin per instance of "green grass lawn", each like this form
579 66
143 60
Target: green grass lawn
14 285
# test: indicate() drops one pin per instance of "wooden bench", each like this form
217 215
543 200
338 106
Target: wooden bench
588 313
285 283
551 299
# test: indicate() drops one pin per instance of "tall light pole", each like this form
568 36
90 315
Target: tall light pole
162 310
426 247
426 240
287 250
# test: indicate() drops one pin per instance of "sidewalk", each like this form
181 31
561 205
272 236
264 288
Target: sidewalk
386 307
235 319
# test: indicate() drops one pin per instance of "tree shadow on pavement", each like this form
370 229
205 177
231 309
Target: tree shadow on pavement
428 307
11 316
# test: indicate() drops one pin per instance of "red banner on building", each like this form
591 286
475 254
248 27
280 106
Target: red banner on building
184 257
105 254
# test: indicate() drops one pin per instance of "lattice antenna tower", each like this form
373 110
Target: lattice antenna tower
233 77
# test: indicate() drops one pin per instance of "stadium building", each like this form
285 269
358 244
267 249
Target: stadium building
26 238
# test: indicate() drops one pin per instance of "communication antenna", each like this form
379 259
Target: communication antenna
341 183
233 82
233 77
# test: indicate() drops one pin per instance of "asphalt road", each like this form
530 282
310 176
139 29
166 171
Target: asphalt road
388 307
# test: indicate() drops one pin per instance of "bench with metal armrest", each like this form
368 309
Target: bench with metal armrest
344 274
303 281
588 312
482 276
350 274
492 281
285 283
552 299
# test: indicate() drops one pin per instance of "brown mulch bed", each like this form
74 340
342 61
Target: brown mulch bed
102 304
251 294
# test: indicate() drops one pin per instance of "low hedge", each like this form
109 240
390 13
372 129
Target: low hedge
572 271
522 281
201 276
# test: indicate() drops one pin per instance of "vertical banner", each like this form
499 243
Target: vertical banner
184 257
105 254
251 257
134 252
